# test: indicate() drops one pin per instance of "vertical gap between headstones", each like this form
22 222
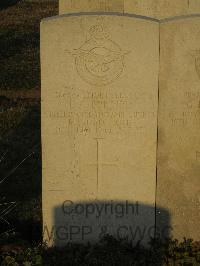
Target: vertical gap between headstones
157 133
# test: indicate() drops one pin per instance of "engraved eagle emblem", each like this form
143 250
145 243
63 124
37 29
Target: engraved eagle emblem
99 61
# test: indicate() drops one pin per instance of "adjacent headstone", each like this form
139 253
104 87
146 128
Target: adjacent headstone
178 184
159 9
75 6
99 127
105 164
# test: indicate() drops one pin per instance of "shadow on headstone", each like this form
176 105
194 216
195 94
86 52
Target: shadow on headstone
89 222
7 3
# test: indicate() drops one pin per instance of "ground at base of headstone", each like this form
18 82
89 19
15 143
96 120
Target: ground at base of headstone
108 251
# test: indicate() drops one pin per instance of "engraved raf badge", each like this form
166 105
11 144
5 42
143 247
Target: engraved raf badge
99 61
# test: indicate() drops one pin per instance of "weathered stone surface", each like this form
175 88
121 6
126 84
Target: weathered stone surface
178 187
157 8
161 9
75 6
99 124
151 8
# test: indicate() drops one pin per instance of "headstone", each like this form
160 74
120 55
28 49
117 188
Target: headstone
75 6
159 9
178 183
120 121
99 127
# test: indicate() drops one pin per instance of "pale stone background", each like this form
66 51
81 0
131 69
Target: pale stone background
179 126
151 8
161 8
68 6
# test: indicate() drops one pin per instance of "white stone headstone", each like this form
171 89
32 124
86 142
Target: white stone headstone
120 120
161 9
99 127
178 183
75 6
158 9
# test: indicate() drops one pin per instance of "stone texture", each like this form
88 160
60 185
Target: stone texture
157 8
99 124
151 8
178 187
161 9
75 6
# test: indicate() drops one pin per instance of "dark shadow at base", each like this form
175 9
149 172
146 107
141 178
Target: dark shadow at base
90 222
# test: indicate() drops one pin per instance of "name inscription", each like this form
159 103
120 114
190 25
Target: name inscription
102 112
